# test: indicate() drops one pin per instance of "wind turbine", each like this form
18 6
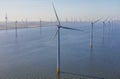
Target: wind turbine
91 33
26 23
66 20
40 26
6 20
103 28
109 29
59 26
16 28
109 22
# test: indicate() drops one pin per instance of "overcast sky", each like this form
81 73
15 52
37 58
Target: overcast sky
79 9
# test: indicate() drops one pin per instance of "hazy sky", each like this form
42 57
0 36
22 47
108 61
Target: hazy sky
79 9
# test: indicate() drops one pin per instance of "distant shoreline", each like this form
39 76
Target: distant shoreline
24 25
20 25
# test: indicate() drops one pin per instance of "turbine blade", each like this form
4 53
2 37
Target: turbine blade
56 14
97 20
70 28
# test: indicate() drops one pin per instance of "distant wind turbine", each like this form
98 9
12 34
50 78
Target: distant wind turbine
66 20
59 26
109 29
104 28
26 23
16 23
109 22
40 26
91 33
6 21
22 23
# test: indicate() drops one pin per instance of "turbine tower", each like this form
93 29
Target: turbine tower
91 33
16 23
59 26
26 25
40 26
104 24
6 21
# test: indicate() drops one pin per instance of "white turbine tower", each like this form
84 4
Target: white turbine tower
104 29
16 23
91 33
109 29
59 26
40 26
6 21
26 26
110 25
